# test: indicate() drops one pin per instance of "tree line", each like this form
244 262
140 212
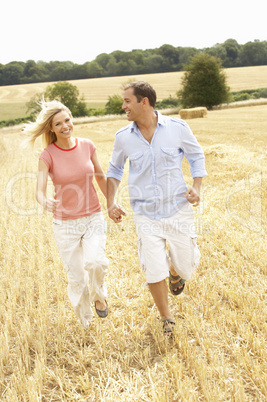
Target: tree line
166 58
198 89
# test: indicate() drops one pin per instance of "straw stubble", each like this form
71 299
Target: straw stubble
218 351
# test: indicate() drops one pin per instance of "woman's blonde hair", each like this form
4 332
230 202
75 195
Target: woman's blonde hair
43 123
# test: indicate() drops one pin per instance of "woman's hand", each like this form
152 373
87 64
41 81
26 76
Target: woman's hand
51 204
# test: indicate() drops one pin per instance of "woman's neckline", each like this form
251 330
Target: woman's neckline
67 149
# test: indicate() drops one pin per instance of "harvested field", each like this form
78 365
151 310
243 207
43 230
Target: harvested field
219 351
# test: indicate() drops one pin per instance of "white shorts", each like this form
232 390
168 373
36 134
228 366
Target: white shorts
176 231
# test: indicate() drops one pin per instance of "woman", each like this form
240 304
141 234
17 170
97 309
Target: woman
78 223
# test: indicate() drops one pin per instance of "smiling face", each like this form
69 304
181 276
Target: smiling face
131 106
62 126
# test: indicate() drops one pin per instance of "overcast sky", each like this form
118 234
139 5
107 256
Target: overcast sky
80 30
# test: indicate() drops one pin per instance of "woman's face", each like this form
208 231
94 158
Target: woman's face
62 125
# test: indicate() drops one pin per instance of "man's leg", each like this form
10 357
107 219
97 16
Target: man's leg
154 262
183 250
174 273
159 291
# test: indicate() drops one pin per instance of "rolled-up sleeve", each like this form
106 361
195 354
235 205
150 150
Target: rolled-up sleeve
193 153
117 161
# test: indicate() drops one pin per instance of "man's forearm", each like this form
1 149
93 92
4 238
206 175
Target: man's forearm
115 211
197 183
112 186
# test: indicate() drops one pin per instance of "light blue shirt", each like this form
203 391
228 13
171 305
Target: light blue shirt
156 183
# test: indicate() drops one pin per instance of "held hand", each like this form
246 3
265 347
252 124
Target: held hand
116 212
51 204
193 196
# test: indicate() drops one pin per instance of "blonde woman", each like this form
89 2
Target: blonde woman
78 223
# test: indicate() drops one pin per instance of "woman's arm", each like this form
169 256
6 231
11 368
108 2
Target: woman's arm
49 204
99 175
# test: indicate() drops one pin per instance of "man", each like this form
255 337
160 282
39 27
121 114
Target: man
155 145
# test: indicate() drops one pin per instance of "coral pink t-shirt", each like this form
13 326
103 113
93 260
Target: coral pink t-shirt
72 172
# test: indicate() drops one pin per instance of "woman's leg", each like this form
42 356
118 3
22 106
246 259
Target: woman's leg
95 260
68 241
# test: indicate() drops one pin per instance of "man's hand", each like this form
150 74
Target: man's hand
193 193
193 196
115 212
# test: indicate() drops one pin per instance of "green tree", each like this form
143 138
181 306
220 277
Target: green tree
114 104
254 53
232 50
170 55
204 83
1 73
154 64
93 69
217 51
33 72
12 73
111 69
68 94
103 59
59 73
185 56
64 92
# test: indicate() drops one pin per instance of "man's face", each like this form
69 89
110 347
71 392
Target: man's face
130 105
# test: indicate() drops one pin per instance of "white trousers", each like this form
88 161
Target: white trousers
81 244
178 231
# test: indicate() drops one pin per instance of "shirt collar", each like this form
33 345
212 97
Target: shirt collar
161 121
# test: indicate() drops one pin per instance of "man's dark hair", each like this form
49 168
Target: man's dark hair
142 89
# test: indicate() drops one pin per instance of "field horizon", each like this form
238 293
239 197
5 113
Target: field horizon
13 98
